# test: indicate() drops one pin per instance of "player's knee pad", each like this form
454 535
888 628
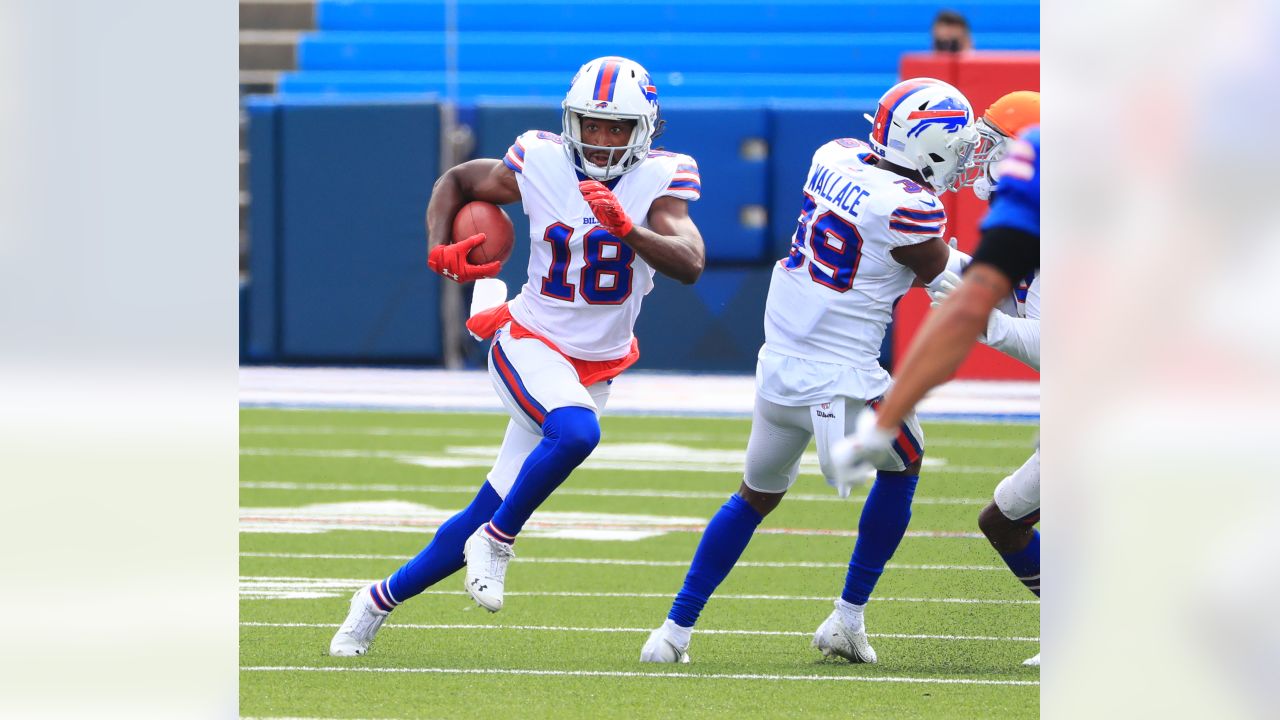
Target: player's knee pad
576 431
1018 495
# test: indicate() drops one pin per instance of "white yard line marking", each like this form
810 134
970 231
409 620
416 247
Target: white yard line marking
727 438
252 585
586 492
636 563
403 516
669 675
561 628
687 460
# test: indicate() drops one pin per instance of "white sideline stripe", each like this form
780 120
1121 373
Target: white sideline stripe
637 563
604 673
356 583
426 459
588 492
560 628
613 435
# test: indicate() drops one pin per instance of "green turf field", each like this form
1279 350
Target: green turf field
332 500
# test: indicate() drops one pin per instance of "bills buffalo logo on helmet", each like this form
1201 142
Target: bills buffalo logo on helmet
948 113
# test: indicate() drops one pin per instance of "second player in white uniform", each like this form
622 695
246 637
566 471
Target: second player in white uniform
870 224
559 343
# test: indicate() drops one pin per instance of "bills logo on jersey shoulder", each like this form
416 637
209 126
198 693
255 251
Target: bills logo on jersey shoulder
544 135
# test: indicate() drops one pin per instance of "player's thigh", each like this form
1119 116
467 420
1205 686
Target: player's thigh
907 448
1018 495
516 446
519 441
532 380
779 436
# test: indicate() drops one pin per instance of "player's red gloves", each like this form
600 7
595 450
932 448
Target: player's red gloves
604 204
451 261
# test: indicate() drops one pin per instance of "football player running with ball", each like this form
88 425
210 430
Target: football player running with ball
871 223
605 213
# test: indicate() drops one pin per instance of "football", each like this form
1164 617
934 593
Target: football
482 217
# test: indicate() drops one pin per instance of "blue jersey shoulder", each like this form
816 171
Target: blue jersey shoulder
1016 203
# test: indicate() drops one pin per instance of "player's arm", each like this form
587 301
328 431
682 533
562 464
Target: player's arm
1017 337
944 341
486 179
673 246
927 259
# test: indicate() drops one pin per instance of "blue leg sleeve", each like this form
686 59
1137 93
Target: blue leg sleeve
882 526
722 544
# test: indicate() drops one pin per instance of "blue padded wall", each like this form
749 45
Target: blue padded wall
714 136
264 288
714 325
353 281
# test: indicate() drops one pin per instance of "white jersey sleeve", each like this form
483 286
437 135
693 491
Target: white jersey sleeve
919 218
585 286
1018 335
686 182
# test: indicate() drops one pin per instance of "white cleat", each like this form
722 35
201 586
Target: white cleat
1032 662
836 637
486 568
357 631
664 647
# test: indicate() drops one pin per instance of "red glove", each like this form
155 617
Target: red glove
451 261
604 204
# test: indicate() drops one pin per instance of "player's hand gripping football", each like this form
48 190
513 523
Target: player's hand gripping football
451 261
606 207
855 456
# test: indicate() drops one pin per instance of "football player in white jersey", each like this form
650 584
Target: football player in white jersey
606 212
870 223
1013 328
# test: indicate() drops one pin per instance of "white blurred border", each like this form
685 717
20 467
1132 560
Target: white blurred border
1159 403
118 368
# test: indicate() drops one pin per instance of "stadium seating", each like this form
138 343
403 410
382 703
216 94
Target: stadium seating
711 49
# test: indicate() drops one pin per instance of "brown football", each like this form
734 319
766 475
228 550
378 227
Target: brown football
482 217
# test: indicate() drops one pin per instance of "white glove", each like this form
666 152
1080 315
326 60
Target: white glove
855 457
982 188
942 286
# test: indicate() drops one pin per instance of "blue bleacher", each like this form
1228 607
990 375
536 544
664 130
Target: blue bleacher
864 88
706 16
770 49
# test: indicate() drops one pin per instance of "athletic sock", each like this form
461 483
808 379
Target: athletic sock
852 614
883 524
443 557
1026 563
569 435
722 544
679 633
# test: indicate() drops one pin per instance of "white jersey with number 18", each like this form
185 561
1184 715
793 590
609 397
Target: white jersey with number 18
831 299
585 286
